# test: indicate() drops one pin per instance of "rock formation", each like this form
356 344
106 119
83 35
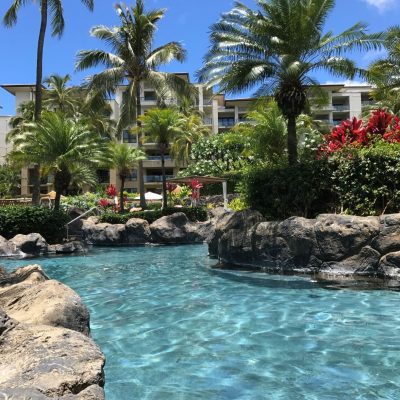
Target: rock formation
46 351
338 245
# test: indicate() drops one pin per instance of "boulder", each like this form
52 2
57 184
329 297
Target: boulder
175 228
7 248
32 244
226 221
388 240
339 236
30 297
330 245
103 234
44 362
389 265
68 248
137 231
45 348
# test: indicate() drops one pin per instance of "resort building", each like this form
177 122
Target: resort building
219 114
4 129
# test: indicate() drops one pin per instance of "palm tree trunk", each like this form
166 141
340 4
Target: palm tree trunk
164 182
38 94
121 194
292 140
140 164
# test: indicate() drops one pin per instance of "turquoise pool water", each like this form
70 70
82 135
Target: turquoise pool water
172 329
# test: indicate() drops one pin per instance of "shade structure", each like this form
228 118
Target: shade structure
150 196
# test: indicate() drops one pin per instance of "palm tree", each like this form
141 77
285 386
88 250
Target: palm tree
124 158
385 73
278 47
58 143
161 126
132 61
191 129
59 96
54 9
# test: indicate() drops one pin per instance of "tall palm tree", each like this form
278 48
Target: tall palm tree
58 143
385 73
59 96
161 126
278 47
132 61
124 158
54 9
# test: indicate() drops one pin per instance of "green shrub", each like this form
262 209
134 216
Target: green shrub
16 220
367 180
193 213
232 177
304 189
237 204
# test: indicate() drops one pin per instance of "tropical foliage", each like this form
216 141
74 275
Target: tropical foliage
133 60
59 143
279 47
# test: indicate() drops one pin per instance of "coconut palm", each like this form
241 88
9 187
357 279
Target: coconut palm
385 73
58 143
54 9
132 61
161 126
278 47
59 96
191 129
124 158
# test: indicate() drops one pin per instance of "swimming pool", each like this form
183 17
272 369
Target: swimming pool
172 328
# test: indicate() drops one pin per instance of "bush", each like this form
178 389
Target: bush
232 177
16 220
303 189
193 213
367 180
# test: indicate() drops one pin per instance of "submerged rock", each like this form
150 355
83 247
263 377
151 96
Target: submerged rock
337 245
45 348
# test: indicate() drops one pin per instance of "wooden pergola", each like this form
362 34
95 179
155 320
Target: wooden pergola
204 180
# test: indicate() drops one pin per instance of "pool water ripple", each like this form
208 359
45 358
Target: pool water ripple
172 329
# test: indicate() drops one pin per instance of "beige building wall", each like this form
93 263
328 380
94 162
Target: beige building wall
4 129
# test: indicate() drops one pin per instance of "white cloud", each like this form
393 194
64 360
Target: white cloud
381 5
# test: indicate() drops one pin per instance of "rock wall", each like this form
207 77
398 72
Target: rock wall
46 351
35 245
329 245
171 229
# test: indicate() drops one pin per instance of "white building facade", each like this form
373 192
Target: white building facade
219 114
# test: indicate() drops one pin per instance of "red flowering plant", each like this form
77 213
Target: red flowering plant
111 190
196 186
351 134
104 203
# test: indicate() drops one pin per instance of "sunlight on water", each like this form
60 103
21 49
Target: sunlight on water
173 329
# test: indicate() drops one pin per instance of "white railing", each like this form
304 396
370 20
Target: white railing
78 218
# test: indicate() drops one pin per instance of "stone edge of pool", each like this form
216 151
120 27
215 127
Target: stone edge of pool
45 341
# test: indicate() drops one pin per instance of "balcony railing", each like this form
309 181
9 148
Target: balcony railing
207 121
157 178
158 158
341 107
368 103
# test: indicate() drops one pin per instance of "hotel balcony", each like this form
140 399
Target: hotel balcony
156 178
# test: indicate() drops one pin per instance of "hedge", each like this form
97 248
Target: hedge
193 213
303 189
16 220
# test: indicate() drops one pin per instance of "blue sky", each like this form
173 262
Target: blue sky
187 21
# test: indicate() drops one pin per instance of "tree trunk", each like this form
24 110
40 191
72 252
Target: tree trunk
292 140
164 182
62 180
38 94
140 164
121 194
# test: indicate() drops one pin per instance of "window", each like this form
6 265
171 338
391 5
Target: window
150 96
228 121
128 137
132 176
131 190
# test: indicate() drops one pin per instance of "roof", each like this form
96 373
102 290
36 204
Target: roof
15 88
200 179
